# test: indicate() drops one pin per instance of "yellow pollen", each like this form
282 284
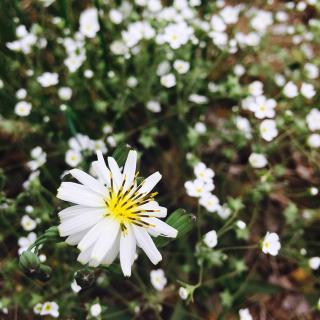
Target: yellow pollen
122 208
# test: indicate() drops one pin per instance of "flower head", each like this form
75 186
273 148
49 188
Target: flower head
211 239
158 279
50 308
271 244
113 214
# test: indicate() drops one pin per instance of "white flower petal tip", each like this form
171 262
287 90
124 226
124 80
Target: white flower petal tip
157 260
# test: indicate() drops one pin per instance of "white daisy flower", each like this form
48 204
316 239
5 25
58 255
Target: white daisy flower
112 215
271 244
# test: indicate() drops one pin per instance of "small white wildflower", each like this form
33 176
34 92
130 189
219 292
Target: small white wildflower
95 310
271 244
211 239
314 140
65 93
183 293
200 128
307 90
50 308
290 90
73 158
258 160
268 130
313 119
21 94
241 224
153 106
23 108
314 263
181 66
28 223
168 80
158 279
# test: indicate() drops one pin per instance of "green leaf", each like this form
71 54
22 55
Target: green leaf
121 154
179 220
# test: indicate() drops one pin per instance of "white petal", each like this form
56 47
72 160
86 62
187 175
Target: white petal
127 251
80 222
146 244
101 169
89 181
78 210
129 170
153 232
150 182
92 235
158 211
75 238
84 256
112 253
116 175
69 212
105 241
79 194
161 227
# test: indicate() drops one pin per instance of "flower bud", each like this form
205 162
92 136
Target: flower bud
85 277
29 262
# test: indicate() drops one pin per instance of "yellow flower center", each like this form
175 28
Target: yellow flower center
262 107
123 206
